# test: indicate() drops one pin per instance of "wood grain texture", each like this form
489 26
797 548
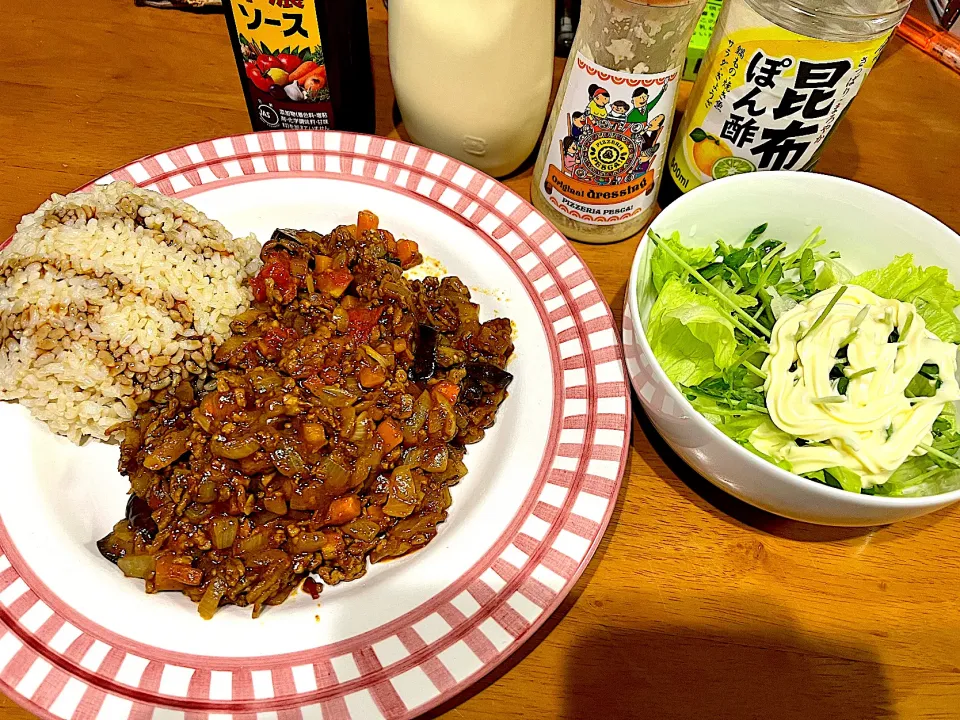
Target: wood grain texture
696 605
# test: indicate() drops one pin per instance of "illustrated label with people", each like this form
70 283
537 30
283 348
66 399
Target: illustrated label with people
609 144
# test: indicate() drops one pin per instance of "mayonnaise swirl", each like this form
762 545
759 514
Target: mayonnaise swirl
873 426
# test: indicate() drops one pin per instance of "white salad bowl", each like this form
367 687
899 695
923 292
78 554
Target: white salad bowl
869 228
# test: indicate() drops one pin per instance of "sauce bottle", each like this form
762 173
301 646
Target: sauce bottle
304 64
776 81
606 141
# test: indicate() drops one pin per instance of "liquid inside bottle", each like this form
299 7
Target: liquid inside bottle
473 77
833 20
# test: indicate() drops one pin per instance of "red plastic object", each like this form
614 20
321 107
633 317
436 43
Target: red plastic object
937 43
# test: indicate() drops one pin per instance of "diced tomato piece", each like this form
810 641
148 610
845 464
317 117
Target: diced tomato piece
283 334
273 340
362 321
278 270
334 282
259 288
311 588
286 283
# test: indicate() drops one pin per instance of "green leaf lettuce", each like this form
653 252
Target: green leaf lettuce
929 289
662 265
690 334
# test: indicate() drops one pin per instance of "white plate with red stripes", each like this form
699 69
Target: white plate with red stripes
81 641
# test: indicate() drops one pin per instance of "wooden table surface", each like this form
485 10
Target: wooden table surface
696 605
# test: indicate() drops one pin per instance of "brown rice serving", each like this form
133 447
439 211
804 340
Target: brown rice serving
110 295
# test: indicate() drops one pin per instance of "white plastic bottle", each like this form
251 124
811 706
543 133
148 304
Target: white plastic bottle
473 77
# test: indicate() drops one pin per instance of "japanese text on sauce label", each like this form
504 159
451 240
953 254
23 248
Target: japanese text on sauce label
768 100
283 62
286 18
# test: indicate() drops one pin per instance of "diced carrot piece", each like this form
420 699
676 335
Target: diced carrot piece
390 432
343 510
314 435
407 250
451 391
371 377
366 220
376 514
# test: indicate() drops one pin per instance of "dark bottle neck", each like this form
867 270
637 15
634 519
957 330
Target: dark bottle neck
346 53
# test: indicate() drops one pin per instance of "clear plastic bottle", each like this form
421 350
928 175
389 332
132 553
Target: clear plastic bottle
776 81
606 140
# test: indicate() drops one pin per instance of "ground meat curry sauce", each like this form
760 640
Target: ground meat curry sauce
342 406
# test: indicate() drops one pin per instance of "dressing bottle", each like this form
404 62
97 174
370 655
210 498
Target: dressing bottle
603 152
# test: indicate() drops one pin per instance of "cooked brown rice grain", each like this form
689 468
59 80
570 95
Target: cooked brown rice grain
88 289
